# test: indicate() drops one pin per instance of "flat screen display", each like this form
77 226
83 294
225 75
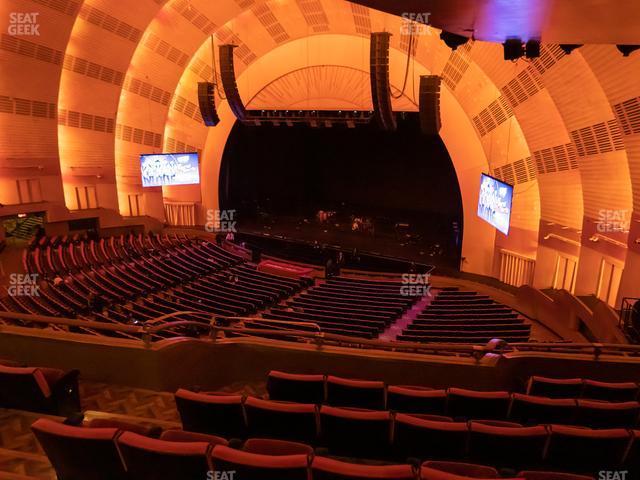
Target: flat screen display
494 202
161 169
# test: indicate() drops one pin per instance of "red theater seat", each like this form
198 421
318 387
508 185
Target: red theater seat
611 392
288 421
345 392
149 458
268 446
512 447
259 467
355 432
554 387
535 475
533 410
45 390
427 439
221 415
293 387
583 450
416 400
601 414
465 469
329 469
427 473
176 435
80 453
477 405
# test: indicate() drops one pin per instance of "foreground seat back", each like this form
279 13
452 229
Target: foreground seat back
80 453
293 387
259 467
513 447
354 432
601 414
554 387
149 458
428 473
611 392
26 389
540 475
287 421
221 415
427 439
269 446
583 450
534 410
464 469
416 400
329 469
477 405
345 392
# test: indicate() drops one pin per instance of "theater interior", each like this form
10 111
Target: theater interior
319 239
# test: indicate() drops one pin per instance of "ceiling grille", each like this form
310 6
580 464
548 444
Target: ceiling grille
127 133
69 118
597 139
109 23
24 106
628 115
314 15
269 21
26 48
194 16
361 18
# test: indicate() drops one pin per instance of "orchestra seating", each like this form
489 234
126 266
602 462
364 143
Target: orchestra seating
135 279
88 453
346 306
359 421
453 424
456 316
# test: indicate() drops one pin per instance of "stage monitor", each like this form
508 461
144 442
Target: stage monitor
160 169
494 202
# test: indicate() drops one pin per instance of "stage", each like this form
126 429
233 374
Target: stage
305 241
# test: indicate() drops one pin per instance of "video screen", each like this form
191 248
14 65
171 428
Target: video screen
161 169
494 202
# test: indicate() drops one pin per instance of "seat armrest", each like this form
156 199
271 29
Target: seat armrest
66 394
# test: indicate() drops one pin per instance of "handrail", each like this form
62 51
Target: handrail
322 338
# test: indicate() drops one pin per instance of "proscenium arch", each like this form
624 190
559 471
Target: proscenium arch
457 131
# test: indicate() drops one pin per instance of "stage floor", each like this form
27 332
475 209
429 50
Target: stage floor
386 245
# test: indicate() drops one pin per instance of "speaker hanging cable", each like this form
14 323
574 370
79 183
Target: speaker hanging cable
406 70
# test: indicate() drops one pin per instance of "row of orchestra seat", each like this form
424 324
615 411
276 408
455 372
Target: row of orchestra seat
140 278
347 306
118 452
466 317
582 388
456 402
379 434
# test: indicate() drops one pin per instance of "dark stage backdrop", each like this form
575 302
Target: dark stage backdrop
400 176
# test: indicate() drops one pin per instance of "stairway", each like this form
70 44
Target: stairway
397 327
25 229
